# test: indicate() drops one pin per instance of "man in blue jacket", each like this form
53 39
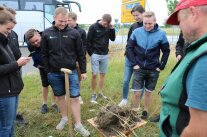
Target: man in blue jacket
143 50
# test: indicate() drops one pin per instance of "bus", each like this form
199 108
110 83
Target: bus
37 14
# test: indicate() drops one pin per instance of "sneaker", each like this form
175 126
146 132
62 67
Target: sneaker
155 119
62 124
80 99
123 102
20 121
144 115
102 96
93 99
44 109
55 108
80 129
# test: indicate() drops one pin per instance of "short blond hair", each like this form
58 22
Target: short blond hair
73 15
6 16
149 14
60 10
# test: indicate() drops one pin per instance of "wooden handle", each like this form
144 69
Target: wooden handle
65 70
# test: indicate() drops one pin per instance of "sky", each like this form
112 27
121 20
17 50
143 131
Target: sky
94 9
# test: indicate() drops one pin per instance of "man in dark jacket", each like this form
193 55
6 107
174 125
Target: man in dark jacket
33 39
180 47
14 45
136 12
11 82
72 18
61 47
98 37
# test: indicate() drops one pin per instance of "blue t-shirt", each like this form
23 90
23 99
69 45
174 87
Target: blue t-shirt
197 85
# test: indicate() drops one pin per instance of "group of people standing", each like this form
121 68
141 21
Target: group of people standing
63 45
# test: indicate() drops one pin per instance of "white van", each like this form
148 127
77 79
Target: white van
37 14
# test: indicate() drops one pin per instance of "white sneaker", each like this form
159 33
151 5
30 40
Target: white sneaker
62 124
80 100
102 95
93 99
123 102
80 129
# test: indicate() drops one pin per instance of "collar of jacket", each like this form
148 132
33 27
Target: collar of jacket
53 24
3 39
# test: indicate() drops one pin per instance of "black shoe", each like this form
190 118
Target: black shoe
20 121
44 109
155 119
55 108
144 115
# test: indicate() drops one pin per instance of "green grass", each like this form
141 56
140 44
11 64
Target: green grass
43 125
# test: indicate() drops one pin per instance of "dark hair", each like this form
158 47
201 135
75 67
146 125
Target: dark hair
29 34
6 16
138 8
107 18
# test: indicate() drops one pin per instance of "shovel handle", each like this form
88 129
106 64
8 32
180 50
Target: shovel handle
65 70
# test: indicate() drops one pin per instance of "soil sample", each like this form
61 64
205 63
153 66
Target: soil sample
112 119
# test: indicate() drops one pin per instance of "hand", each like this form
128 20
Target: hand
158 69
83 76
39 66
178 57
136 67
111 26
23 61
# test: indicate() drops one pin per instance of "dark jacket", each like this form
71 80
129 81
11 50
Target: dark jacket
11 82
61 49
181 46
131 29
98 39
14 44
36 54
144 48
82 33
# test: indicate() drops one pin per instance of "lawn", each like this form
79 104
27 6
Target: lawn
43 125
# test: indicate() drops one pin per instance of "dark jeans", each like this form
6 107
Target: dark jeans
147 78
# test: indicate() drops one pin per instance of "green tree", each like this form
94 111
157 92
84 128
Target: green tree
171 5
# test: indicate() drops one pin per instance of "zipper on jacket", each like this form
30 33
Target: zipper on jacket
61 54
145 60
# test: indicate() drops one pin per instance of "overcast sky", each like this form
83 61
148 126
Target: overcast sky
94 9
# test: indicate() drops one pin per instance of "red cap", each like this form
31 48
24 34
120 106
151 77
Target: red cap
183 4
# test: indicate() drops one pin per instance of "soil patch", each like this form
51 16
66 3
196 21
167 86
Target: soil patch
112 119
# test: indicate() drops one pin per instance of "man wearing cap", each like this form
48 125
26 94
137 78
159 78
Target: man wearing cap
184 102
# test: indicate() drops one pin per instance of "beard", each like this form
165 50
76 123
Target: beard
190 36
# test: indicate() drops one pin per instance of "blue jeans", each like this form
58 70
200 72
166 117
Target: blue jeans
57 82
8 110
128 71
